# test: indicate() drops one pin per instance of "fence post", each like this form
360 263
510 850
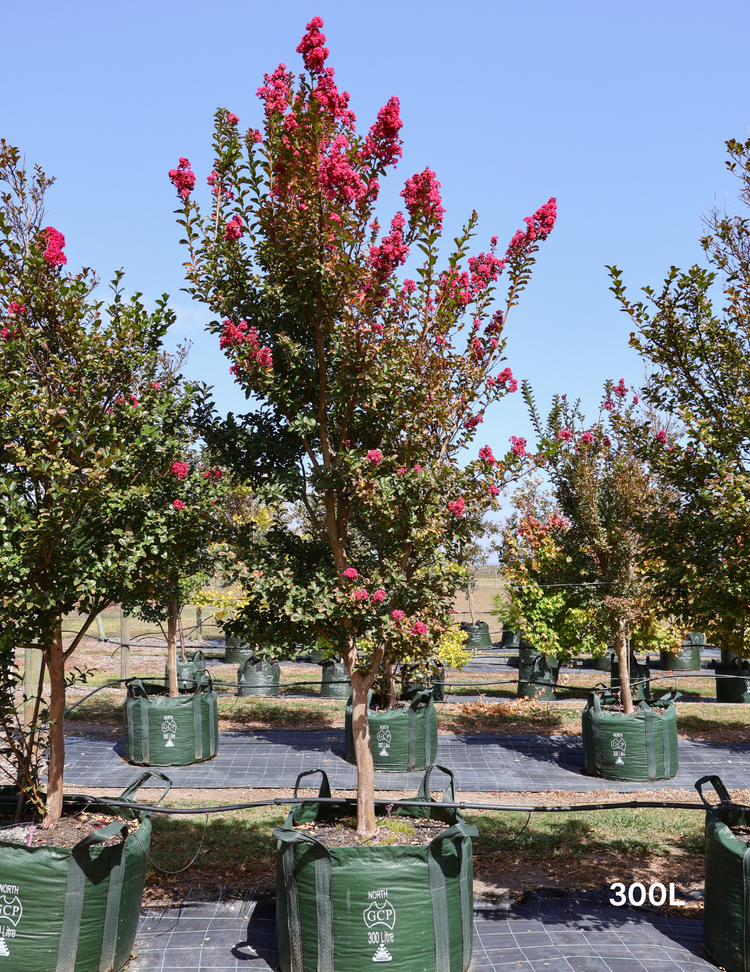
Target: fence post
32 666
199 623
124 645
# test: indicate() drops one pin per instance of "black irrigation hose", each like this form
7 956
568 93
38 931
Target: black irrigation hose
496 807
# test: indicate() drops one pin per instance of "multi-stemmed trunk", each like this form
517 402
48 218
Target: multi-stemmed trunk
363 753
55 659
172 647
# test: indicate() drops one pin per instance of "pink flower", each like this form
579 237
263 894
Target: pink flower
606 441
375 456
586 438
14 309
183 178
338 180
473 421
493 490
382 143
620 389
361 595
276 91
156 385
53 252
609 404
518 446
398 615
232 119
233 229
417 468
506 378
635 399
422 197
538 227
253 136
457 506
401 471
486 453
392 251
377 328
179 469
661 437
420 628
311 47
378 596
565 435
178 505
350 573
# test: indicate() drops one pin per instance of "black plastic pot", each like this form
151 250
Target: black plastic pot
638 747
733 682
537 675
478 635
163 731
640 677
688 659
726 908
189 672
402 739
256 677
603 663
336 683
342 909
74 910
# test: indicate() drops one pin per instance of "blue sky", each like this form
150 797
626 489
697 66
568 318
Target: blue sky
619 110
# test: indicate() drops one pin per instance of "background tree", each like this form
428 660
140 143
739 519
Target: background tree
695 335
92 417
368 387
603 491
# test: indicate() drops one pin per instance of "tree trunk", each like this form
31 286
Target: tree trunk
172 647
363 752
56 667
620 642
391 701
183 656
470 598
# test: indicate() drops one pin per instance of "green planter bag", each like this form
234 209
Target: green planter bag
478 635
688 659
537 675
640 678
402 740
74 910
336 683
235 652
637 747
733 682
341 909
409 689
189 672
161 731
255 677
726 912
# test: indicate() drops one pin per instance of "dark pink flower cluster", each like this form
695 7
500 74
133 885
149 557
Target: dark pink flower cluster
134 400
237 334
338 180
635 399
421 194
382 143
182 178
609 404
586 438
620 389
234 228
276 91
361 595
7 333
401 471
457 506
179 469
232 119
477 349
606 441
485 270
473 421
493 490
420 628
661 437
178 504
351 574
398 616
378 596
53 252
518 445
503 379
216 187
335 102
311 47
213 474
392 251
486 453
538 228
15 308
375 456
253 135
565 435
417 468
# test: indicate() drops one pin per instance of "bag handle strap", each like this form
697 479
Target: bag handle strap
199 657
422 697
129 792
718 784
460 833
325 786
137 689
449 795
288 838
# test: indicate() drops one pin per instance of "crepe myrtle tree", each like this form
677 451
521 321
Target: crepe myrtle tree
694 334
603 492
371 385
92 417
